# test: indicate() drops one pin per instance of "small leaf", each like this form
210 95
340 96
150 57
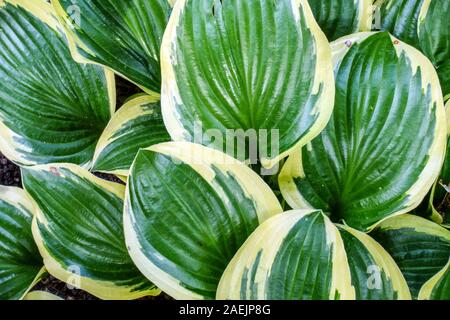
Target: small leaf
138 124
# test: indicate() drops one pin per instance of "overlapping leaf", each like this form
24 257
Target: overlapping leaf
51 108
425 25
384 147
79 231
438 287
137 124
421 248
338 18
20 263
188 210
436 204
124 35
262 66
301 255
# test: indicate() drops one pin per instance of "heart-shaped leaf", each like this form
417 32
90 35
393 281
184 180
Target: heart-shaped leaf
338 18
246 70
21 265
420 247
137 124
188 210
384 147
52 109
79 231
122 35
301 255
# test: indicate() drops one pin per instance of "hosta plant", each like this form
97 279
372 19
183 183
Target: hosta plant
277 149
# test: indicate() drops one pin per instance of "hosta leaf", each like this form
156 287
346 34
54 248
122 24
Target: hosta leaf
41 295
79 232
51 108
434 38
20 263
420 247
188 210
383 149
257 67
438 287
138 124
400 18
124 35
300 255
339 18
425 25
374 274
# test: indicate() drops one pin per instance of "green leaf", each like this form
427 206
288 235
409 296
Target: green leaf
298 255
301 255
20 263
51 108
433 31
438 287
339 18
384 147
79 231
423 24
188 209
123 35
137 124
257 68
420 247
436 205
400 18
374 274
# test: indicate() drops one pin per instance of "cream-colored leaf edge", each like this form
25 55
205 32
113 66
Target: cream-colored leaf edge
201 159
9 139
428 287
293 168
266 241
19 198
75 43
383 261
416 223
101 289
170 96
365 15
128 112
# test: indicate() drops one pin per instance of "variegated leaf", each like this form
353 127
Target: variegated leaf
188 210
